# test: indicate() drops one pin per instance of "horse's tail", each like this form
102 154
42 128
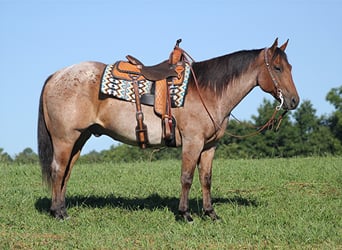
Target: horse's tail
45 147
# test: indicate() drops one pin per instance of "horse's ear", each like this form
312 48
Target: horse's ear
283 47
274 45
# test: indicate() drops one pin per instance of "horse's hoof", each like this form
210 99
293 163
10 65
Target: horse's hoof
59 215
186 217
213 216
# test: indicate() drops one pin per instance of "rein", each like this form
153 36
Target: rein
187 56
269 124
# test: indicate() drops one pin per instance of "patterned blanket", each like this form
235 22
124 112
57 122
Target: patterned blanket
123 89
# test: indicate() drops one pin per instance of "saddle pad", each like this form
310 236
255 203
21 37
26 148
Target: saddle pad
123 89
178 92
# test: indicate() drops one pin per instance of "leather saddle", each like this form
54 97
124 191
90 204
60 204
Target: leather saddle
170 71
134 69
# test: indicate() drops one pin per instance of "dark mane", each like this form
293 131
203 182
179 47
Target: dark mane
217 72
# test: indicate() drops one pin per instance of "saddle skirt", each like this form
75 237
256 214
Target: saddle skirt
117 82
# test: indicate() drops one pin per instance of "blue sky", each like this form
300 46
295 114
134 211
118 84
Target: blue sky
39 37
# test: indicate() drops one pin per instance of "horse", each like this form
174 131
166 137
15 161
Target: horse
71 109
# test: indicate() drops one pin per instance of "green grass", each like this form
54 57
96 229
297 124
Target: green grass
271 203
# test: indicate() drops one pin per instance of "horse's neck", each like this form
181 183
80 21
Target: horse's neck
236 90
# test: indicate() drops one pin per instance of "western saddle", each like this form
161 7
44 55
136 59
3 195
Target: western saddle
168 72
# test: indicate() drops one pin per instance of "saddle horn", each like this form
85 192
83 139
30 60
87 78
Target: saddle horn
178 42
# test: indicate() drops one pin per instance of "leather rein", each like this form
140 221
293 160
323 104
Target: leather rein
269 124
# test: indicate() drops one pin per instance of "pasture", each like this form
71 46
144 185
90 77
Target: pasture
263 204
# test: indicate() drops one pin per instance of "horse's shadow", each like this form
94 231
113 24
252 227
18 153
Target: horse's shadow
152 202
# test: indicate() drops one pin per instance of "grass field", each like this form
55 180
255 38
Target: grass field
263 204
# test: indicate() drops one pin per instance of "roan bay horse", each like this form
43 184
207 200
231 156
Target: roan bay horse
71 109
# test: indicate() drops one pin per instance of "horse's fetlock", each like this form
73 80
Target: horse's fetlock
212 214
185 215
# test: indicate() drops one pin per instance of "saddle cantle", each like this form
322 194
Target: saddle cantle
152 84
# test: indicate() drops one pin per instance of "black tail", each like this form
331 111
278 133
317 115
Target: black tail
45 147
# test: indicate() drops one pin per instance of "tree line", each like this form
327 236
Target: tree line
301 133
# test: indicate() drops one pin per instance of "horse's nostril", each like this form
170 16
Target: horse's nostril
294 102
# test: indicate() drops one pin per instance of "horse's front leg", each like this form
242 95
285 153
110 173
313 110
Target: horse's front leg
190 156
205 173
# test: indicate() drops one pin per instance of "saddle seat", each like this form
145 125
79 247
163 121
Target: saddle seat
156 72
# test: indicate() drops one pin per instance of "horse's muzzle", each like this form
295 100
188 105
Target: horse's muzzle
291 102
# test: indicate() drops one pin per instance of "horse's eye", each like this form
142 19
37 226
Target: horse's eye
278 68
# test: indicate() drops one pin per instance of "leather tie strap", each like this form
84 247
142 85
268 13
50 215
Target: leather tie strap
141 128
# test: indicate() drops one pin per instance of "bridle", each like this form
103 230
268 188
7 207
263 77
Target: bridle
269 124
275 82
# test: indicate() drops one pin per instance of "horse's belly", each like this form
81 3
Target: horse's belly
119 120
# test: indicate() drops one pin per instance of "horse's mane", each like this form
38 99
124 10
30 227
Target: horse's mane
216 73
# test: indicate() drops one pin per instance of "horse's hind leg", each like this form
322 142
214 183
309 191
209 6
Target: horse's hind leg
65 156
205 172
59 168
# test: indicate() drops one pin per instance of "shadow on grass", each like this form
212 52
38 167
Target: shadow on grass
151 202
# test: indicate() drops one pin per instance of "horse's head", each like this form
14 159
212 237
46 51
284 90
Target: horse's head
276 78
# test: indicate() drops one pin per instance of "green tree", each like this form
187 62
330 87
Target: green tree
91 157
4 157
233 144
314 138
273 142
307 125
267 143
334 96
26 157
125 153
